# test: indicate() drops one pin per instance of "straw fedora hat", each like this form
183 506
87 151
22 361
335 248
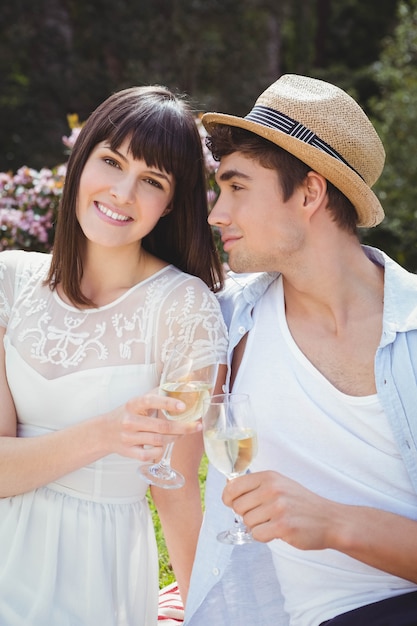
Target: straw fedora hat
325 128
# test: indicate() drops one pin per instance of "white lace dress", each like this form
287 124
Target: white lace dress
81 551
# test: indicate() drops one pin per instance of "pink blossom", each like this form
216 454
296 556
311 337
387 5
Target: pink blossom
70 141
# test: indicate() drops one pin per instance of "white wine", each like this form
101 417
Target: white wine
231 451
192 393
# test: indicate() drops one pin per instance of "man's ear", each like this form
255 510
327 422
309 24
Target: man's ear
315 189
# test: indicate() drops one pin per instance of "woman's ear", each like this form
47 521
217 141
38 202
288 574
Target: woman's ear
167 210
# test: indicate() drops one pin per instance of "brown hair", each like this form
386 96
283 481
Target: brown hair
224 140
162 132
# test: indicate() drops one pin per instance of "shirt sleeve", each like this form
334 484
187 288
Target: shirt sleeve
8 264
17 269
191 316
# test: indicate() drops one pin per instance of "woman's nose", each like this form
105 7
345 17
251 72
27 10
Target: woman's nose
123 190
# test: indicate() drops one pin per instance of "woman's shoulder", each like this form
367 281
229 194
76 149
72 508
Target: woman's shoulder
173 288
19 261
180 281
18 271
174 278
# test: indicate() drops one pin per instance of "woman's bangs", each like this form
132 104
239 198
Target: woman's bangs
155 139
159 147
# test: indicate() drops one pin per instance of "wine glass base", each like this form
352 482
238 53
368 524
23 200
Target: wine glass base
235 537
161 476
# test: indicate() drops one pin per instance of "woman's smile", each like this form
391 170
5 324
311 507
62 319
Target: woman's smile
112 214
117 190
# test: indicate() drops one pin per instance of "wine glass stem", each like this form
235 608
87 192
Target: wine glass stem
239 524
166 457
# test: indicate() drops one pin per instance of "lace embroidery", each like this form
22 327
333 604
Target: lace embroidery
139 328
69 348
142 318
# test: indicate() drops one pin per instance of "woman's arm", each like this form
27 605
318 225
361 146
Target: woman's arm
29 462
180 510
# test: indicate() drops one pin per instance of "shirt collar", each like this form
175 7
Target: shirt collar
400 292
400 295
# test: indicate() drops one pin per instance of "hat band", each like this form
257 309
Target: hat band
275 119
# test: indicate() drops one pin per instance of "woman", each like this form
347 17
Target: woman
85 333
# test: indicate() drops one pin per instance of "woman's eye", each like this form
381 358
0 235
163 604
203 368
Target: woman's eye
153 182
111 162
235 187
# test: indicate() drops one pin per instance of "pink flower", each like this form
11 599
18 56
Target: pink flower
70 141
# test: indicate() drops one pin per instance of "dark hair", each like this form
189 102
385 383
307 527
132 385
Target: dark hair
162 132
224 140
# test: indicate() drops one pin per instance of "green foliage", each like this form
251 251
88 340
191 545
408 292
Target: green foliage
353 31
395 114
59 57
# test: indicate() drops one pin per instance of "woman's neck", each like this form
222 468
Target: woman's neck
108 274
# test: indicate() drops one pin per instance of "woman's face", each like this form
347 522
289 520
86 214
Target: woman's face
120 199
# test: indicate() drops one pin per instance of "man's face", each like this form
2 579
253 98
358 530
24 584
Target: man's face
260 232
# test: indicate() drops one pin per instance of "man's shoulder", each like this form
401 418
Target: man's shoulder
253 285
240 294
400 294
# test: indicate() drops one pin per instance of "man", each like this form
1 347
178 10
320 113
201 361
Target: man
323 337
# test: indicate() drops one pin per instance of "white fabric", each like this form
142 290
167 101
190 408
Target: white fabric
82 551
352 436
233 588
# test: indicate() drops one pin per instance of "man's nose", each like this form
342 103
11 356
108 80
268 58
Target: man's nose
219 215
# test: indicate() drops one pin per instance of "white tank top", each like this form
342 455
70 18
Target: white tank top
336 445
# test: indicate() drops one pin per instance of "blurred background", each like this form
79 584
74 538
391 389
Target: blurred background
61 57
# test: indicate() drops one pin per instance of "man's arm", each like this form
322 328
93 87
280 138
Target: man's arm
276 507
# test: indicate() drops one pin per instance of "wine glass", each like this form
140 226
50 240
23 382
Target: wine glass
190 379
231 443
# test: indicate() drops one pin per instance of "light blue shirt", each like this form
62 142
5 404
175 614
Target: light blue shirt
238 586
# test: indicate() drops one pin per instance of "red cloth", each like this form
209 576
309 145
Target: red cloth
171 609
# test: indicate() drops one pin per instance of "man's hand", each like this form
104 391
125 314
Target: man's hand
276 507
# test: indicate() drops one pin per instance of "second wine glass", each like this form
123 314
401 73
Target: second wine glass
231 443
190 379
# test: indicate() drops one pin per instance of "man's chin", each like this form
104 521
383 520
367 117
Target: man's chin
240 266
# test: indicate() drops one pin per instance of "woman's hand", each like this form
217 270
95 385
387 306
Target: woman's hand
131 430
134 430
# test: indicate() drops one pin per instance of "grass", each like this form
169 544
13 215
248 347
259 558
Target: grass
166 574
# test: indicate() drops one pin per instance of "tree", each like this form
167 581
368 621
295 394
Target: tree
66 56
395 115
